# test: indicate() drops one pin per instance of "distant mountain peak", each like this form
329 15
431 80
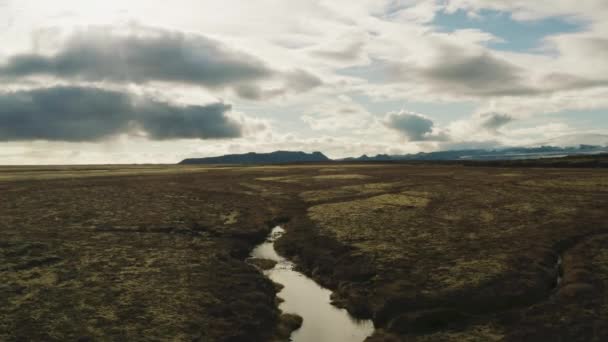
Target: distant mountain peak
277 157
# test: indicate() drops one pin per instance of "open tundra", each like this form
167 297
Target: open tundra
426 252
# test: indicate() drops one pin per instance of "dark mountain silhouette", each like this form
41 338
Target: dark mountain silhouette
509 153
277 157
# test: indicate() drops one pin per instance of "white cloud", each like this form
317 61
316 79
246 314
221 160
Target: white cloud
412 126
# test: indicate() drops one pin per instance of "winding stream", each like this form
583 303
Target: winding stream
323 322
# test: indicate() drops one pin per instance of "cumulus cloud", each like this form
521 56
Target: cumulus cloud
413 126
482 75
79 114
142 55
458 72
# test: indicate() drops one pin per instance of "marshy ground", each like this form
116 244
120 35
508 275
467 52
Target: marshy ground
428 252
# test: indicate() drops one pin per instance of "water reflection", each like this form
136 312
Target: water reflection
323 322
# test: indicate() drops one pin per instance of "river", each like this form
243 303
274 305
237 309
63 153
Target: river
323 322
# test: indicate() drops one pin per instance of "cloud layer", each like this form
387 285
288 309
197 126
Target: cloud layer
323 71
80 114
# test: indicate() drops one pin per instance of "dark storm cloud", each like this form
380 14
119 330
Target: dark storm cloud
162 121
412 126
494 121
88 114
100 54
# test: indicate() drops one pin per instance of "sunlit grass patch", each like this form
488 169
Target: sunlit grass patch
596 183
528 208
405 199
329 169
305 178
259 189
282 179
230 218
599 261
479 333
510 174
521 207
262 168
463 273
341 177
345 209
358 219
58 172
349 190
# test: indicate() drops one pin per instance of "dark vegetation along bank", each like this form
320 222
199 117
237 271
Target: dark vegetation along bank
428 252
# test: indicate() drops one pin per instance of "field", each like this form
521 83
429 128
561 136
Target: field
429 252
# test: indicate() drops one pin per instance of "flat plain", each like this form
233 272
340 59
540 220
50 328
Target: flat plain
428 252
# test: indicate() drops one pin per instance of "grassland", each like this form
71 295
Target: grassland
128 256
456 253
429 252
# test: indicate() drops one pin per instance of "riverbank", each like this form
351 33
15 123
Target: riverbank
424 269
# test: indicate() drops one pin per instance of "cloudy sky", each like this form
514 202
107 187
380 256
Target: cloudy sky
155 81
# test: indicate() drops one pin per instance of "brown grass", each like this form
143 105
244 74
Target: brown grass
116 253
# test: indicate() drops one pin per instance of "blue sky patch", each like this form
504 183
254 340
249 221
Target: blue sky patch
518 36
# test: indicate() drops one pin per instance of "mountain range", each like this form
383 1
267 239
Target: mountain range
512 153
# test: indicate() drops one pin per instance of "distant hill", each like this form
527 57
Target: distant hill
278 157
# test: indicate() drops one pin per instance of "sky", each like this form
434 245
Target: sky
146 81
